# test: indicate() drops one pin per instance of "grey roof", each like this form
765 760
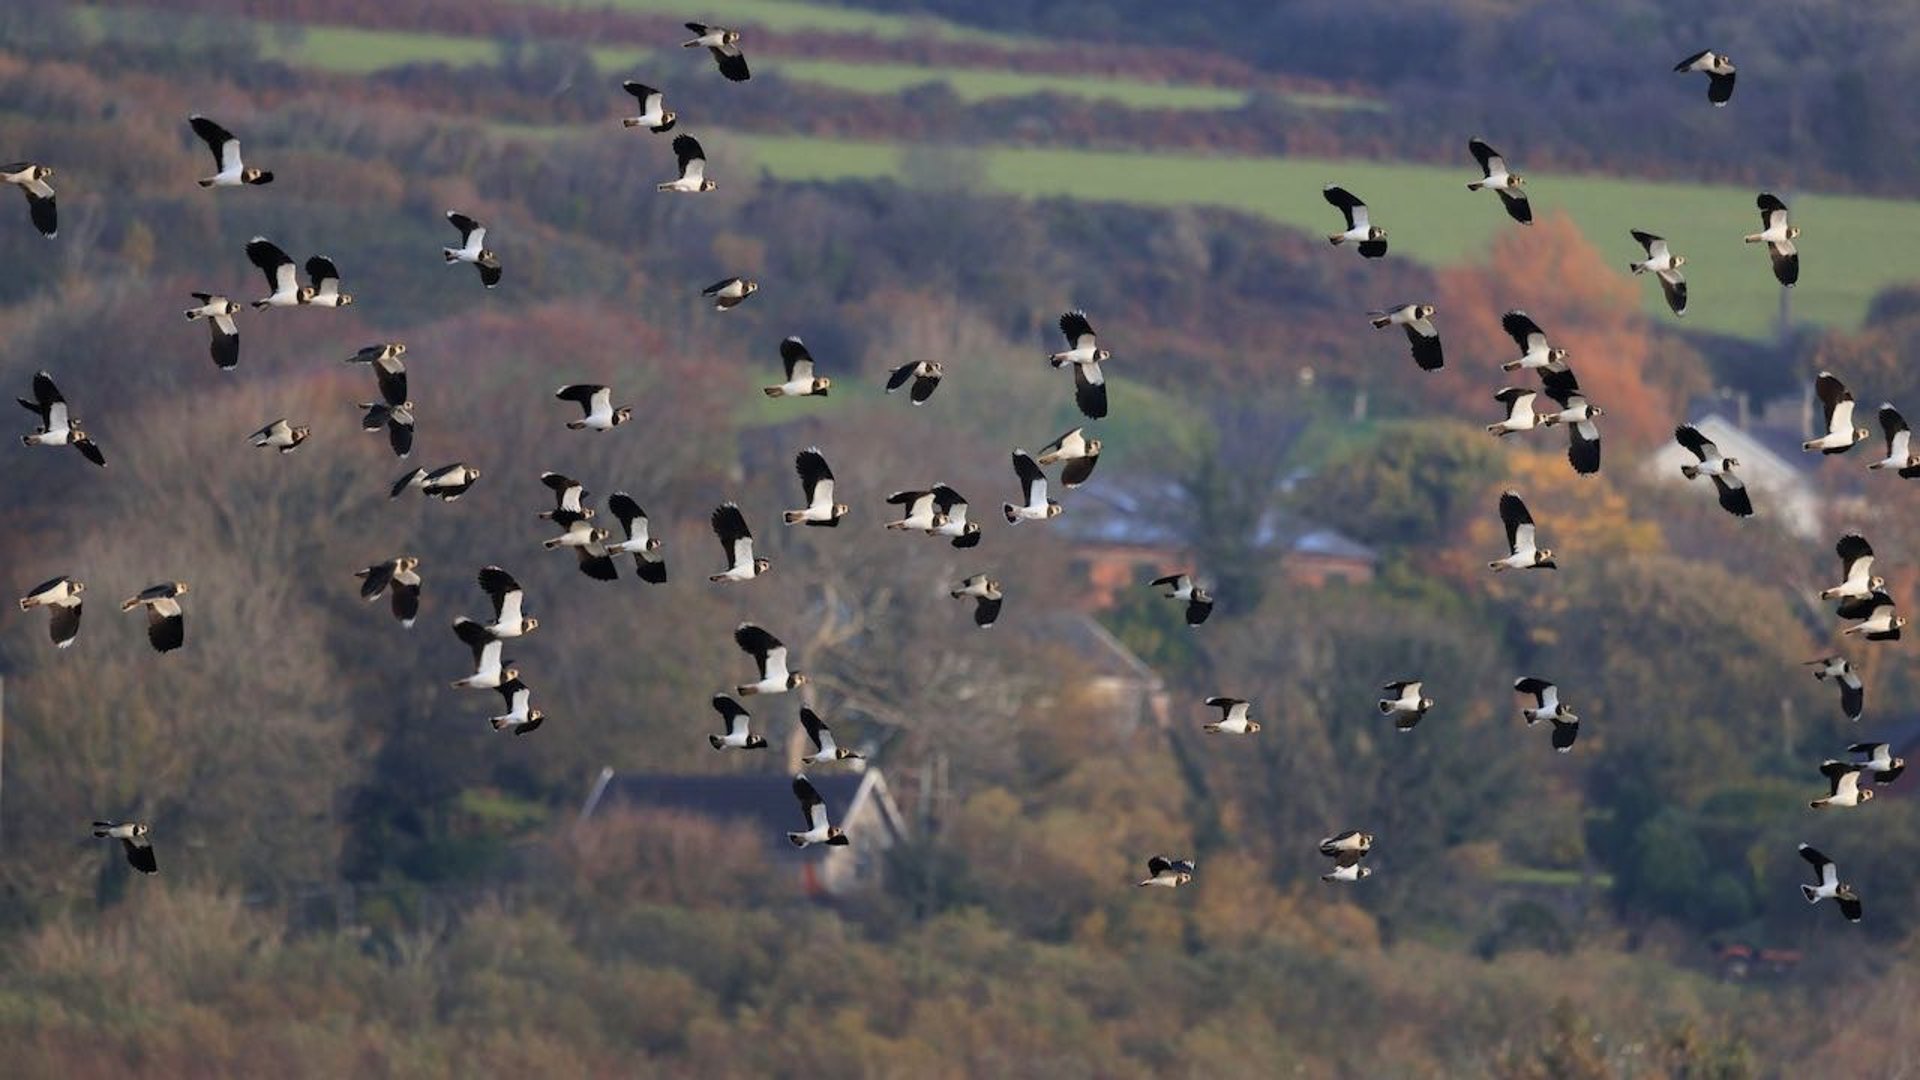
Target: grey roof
1333 543
762 800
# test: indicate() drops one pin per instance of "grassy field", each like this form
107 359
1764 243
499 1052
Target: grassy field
789 15
1853 247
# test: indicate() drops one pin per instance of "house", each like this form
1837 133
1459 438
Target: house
1769 463
1130 692
858 801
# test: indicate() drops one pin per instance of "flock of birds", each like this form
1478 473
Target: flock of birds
941 511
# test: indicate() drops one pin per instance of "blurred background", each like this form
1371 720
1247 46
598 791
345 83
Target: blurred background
359 877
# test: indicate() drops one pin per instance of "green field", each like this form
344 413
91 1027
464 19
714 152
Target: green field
1432 219
787 15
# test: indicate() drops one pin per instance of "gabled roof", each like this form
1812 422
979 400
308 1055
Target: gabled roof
763 801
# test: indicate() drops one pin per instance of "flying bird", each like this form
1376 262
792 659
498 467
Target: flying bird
1182 587
1583 435
1548 706
724 44
230 170
1837 402
133 837
922 513
1168 873
1662 263
729 293
1494 176
1853 692
61 597
1877 619
1712 463
1778 233
1880 761
693 167
813 810
1857 580
816 483
32 181
473 249
58 425
219 312
521 717
388 368
654 114
1353 840
1083 351
166 623
325 290
280 435
1347 850
1900 452
1520 415
987 596
1079 453
1523 553
1234 718
1407 706
647 563
950 510
770 657
1827 883
489 671
1370 239
400 579
925 376
1417 321
736 540
446 483
801 381
507 598
283 280
738 734
596 407
396 417
1536 352
1033 491
1843 786
1720 73
825 749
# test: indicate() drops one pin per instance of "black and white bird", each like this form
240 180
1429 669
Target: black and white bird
569 496
921 513
446 483
1523 553
654 114
508 599
396 417
166 622
737 724
229 169
1827 883
1408 706
1857 579
770 657
724 44
473 248
951 507
693 167
1720 73
813 810
400 579
736 540
1079 453
816 483
1417 321
1712 463
1836 401
1033 491
61 597
598 412
1370 239
1168 873
281 435
825 749
1878 621
1520 415
1353 840
925 376
1182 587
1853 692
647 562
1880 761
987 596
1662 263
1843 786
729 293
325 290
1536 352
393 412
58 425
283 278
489 670
1900 450
388 369
31 179
521 717
133 837
1084 353
1347 850
1234 717
800 382
1548 706
1579 414
219 312
1495 176
1778 232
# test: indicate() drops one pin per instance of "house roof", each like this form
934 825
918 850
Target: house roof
763 800
1104 654
1140 516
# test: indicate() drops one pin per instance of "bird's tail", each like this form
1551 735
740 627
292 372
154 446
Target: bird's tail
100 828
694 44
796 839
499 722
1812 895
261 305
1511 365
1381 322
774 391
1636 268
576 425
1754 238
794 517
630 122
1211 729
1877 465
1012 518
1385 706
1476 185
1818 804
668 186
449 254
1691 472
206 183
717 742
745 691
1336 239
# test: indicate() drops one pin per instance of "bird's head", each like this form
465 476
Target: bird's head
1793 232
798 678
1732 463
473 472
1516 180
1866 794
510 674
1366 839
708 185
74 429
1054 509
623 414
1595 411
598 535
1898 763
78 587
668 117
762 564
1860 434
1102 355
306 294
1679 261
1253 726
587 512
1202 595
1845 892
749 286
1423 311
653 543
252 175
1376 233
345 299
1362 871
530 625
939 520
1878 582
1183 877
840 510
1426 703
822 385
972 529
1093 447
396 348
1543 557
139 828
300 434
179 588
534 716
1899 621
409 562
730 37
1556 356
488 258
41 172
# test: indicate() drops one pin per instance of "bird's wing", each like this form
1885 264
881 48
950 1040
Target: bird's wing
581 394
1514 515
811 465
1033 482
796 358
730 525
1489 158
732 62
1354 210
1852 548
1518 208
1090 391
1157 865
320 270
756 641
1523 330
1696 442
468 227
642 92
717 286
622 506
1078 331
816 728
226 148
1819 862
272 261
687 150
1689 62
1769 205
1674 285
1655 246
